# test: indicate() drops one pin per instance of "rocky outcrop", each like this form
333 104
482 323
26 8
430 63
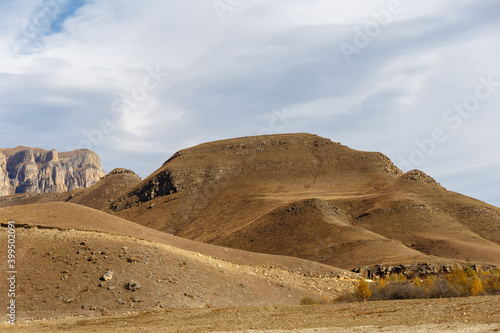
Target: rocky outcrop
4 176
34 170
422 178
419 269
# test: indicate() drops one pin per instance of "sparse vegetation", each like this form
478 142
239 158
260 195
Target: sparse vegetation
476 286
393 277
492 282
308 301
364 291
457 283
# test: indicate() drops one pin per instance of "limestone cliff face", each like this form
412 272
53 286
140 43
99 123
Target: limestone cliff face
4 176
34 170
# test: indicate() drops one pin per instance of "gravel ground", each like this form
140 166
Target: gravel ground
471 314
445 328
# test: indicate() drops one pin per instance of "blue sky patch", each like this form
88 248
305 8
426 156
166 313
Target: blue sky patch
66 12
47 19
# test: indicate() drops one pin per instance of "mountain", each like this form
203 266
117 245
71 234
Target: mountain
35 170
305 196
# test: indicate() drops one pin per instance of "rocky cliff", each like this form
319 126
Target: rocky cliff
34 170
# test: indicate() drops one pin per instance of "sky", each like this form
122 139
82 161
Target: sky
136 81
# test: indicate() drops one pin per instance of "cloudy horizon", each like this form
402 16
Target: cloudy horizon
136 82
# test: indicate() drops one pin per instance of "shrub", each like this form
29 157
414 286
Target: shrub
324 300
442 289
492 284
476 286
393 277
308 301
459 279
346 298
364 291
470 271
399 290
428 284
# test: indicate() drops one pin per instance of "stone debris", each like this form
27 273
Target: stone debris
107 276
132 286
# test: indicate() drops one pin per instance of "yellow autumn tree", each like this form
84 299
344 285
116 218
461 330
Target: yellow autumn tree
476 287
458 279
493 283
428 284
364 291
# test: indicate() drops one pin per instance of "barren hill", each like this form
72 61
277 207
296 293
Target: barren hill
35 170
305 196
112 186
75 260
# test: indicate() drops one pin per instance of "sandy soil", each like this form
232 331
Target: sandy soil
473 314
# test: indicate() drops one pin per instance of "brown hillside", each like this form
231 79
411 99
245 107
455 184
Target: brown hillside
64 250
280 194
318 230
112 186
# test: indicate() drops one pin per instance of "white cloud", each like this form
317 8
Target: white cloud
228 77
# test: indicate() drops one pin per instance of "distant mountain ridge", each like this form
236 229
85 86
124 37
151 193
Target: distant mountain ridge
35 170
